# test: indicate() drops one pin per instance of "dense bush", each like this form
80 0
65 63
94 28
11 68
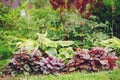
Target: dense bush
7 16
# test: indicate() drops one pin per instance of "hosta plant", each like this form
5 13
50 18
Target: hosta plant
113 43
65 53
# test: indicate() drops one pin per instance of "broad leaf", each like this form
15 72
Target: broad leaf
51 51
28 44
65 43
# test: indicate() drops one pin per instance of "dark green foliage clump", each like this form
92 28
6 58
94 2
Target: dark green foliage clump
5 53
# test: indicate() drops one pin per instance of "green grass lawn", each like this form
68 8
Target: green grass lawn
108 75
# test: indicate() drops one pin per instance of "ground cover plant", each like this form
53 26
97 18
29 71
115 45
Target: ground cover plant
95 59
36 62
33 62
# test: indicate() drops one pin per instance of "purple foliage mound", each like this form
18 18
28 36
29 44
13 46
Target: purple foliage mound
36 62
95 59
33 62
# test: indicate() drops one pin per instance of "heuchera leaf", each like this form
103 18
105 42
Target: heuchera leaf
32 62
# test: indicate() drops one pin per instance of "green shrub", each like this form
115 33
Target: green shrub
113 43
8 16
105 14
5 53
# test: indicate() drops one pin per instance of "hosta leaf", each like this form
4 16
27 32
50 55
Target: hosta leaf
28 44
52 44
49 43
65 43
65 53
62 56
51 51
41 37
112 43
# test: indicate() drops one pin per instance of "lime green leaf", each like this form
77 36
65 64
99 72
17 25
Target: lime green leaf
51 51
65 43
49 43
28 44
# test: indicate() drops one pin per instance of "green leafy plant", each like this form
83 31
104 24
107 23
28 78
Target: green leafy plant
47 45
5 18
28 44
42 39
109 12
113 43
65 53
5 53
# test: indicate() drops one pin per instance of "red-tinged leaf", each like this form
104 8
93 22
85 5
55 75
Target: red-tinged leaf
71 69
58 4
97 59
78 6
86 66
104 62
38 58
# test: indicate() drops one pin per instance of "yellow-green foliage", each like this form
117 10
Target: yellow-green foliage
113 43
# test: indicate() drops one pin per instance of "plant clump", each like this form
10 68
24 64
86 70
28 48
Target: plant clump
33 62
37 62
95 59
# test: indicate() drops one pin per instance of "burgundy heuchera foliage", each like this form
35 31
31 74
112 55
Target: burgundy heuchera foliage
92 60
33 63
